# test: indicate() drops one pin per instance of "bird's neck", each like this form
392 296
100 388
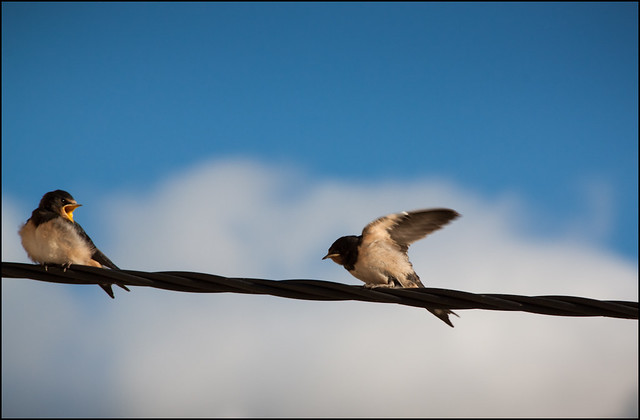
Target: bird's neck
350 255
40 216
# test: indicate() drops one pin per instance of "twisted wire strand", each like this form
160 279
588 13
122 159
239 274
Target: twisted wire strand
430 298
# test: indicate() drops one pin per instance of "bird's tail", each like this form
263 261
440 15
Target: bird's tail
101 260
443 314
107 288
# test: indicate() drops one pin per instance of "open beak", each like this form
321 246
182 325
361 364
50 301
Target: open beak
67 211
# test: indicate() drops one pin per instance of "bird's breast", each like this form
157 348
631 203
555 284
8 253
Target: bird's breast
55 242
378 261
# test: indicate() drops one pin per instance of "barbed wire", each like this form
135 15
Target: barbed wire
430 298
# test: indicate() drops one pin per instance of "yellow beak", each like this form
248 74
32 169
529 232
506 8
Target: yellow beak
330 256
67 211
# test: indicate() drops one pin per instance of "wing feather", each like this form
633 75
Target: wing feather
407 227
97 254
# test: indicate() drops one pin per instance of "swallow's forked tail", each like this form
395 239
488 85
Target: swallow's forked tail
443 314
107 288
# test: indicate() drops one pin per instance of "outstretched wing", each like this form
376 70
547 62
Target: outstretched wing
407 227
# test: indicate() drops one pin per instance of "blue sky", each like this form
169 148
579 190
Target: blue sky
522 116
531 97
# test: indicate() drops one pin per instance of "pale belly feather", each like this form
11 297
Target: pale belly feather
55 242
376 263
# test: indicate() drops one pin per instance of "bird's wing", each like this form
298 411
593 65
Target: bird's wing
103 259
97 254
407 227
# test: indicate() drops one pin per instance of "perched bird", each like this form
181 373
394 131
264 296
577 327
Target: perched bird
50 236
379 257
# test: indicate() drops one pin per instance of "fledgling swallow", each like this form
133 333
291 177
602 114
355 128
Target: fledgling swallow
51 236
379 257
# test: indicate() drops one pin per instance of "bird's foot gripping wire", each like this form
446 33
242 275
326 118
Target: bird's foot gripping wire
64 266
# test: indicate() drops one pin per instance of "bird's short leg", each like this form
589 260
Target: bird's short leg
66 266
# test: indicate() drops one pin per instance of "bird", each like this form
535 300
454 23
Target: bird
51 236
378 256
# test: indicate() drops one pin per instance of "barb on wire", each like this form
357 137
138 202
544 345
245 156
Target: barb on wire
430 298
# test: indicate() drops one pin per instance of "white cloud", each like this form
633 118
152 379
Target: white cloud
161 353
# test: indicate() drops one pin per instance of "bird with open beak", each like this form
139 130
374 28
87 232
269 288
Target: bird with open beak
51 236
